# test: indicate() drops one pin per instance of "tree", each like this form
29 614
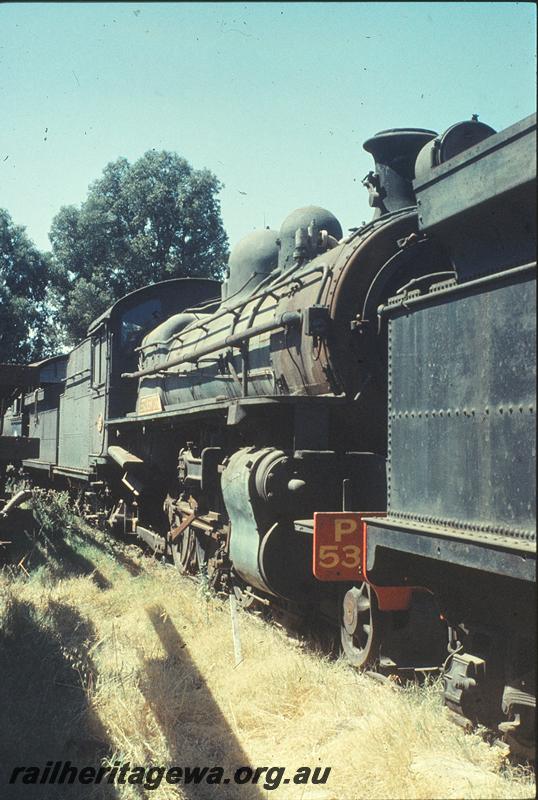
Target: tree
24 275
144 222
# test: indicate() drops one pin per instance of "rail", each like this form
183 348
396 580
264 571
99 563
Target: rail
287 319
279 283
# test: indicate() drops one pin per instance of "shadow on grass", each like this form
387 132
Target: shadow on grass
196 731
44 708
70 562
28 548
110 549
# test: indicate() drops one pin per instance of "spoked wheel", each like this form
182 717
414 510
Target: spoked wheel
360 626
184 552
205 547
200 551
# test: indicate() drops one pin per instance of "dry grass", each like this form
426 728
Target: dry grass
117 658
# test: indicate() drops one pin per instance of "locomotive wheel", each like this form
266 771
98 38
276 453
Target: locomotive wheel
199 551
360 627
184 552
205 547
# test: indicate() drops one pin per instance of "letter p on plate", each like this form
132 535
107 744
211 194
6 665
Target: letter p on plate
343 525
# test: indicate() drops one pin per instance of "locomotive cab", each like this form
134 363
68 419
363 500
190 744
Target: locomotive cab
118 332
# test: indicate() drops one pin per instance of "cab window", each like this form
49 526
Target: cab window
137 321
98 360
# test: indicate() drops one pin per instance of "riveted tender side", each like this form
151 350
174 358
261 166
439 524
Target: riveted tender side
461 515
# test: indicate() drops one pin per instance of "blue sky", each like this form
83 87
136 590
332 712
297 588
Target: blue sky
275 98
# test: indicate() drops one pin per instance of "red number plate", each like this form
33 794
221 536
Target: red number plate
338 542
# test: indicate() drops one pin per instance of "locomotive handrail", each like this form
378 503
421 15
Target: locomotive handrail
234 309
460 287
177 337
447 273
327 271
287 319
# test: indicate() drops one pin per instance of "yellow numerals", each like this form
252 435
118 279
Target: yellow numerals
329 556
353 555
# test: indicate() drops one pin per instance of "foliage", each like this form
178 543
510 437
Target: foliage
37 534
24 274
53 513
155 219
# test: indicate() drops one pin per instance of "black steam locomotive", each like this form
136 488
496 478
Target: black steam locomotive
345 427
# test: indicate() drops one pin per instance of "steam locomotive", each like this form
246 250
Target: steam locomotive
345 427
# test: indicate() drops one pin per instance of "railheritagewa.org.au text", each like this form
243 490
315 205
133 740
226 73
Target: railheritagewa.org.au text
151 777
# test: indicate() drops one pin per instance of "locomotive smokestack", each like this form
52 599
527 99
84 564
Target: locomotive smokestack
395 152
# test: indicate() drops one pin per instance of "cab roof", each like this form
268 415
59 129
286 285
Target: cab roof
148 289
